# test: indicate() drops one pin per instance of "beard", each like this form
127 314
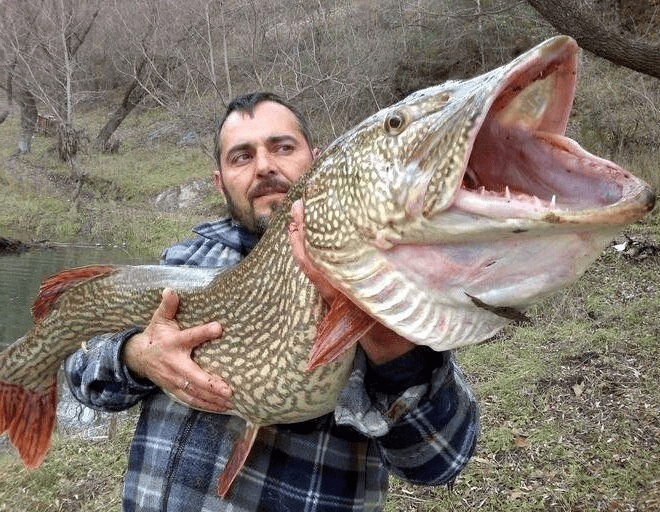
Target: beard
247 218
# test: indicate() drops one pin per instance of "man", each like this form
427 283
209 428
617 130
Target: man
405 409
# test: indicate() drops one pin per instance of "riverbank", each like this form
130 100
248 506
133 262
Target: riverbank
12 246
143 197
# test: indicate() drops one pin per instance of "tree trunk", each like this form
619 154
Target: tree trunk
133 95
8 90
68 143
567 17
29 115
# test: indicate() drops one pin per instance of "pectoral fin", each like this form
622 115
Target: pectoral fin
341 328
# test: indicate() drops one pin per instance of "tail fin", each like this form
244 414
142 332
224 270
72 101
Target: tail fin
29 417
54 286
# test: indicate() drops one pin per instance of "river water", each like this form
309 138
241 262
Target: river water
21 276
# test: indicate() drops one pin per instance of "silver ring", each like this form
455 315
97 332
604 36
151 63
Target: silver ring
186 385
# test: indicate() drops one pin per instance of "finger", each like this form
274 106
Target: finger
198 382
200 403
197 387
169 305
212 391
193 396
195 336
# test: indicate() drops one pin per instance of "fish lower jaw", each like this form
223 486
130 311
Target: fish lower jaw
506 204
510 210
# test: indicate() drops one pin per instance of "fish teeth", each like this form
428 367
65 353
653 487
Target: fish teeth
472 175
507 192
553 201
482 191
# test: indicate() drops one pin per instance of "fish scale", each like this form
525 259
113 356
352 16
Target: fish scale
410 217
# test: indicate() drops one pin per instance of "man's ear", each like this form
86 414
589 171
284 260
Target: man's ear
315 153
217 182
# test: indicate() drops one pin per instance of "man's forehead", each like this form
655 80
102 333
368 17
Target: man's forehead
267 120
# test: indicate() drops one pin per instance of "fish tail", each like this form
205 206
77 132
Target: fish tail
54 286
29 418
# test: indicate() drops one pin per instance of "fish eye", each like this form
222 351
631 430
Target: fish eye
396 122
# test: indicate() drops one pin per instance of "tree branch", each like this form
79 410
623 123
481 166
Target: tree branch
568 18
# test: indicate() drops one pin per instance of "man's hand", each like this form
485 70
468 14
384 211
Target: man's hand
380 343
163 354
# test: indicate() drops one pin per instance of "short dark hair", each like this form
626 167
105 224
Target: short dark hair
247 103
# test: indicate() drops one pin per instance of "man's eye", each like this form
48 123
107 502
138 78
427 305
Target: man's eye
240 158
284 148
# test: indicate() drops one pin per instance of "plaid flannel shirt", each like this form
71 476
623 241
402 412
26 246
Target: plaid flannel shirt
415 417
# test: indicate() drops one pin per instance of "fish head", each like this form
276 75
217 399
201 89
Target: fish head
448 213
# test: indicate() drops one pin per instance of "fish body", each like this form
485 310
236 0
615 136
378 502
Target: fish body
441 217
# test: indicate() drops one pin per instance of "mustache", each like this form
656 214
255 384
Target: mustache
269 185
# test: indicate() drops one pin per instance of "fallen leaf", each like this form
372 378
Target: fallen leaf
520 442
578 388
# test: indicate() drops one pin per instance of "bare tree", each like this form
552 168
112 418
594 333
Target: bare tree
14 44
572 18
134 93
166 55
44 37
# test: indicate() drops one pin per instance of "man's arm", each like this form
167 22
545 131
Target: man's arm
420 411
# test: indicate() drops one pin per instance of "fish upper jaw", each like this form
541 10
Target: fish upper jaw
548 178
518 171
534 93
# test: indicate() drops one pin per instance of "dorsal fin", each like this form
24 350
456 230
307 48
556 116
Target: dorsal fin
54 286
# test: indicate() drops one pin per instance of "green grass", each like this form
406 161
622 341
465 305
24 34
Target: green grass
77 475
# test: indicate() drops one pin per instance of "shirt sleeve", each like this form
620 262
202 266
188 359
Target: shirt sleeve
99 379
419 409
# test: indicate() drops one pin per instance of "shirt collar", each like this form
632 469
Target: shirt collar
227 231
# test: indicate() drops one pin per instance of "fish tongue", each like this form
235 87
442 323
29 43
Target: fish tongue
340 329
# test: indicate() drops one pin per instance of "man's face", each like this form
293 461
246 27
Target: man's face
262 155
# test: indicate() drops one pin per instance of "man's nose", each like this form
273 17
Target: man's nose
264 163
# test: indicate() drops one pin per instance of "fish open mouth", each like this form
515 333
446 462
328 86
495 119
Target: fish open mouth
522 165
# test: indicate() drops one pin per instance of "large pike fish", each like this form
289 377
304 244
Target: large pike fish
442 217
